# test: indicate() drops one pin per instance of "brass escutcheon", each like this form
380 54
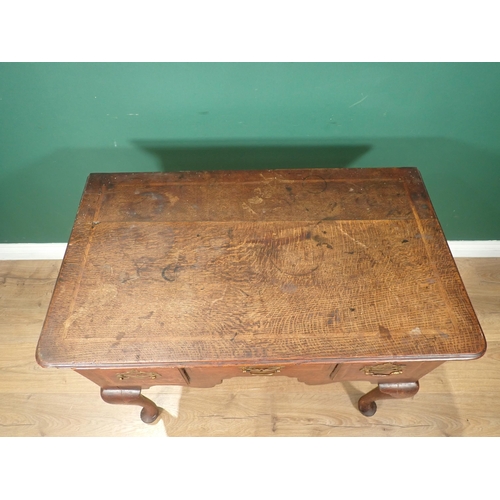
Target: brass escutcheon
383 369
137 374
268 370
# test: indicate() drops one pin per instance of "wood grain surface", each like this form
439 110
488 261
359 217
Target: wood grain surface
456 399
217 268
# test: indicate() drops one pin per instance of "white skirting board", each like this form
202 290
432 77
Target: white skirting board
32 251
55 251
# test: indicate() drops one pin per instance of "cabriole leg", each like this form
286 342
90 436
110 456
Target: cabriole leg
367 405
149 412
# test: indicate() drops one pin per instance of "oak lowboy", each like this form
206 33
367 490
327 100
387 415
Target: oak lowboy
324 275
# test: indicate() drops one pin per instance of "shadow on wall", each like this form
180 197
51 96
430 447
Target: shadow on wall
38 202
248 156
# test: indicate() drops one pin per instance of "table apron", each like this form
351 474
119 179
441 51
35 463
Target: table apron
308 373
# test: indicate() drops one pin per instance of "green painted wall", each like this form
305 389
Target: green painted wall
61 121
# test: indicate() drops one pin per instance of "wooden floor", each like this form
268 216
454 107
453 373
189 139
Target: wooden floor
457 399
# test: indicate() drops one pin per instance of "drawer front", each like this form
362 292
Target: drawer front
131 377
310 373
390 371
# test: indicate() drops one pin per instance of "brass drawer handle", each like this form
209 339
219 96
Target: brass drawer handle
137 375
253 370
384 369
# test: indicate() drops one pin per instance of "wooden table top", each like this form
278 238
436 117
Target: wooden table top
210 268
